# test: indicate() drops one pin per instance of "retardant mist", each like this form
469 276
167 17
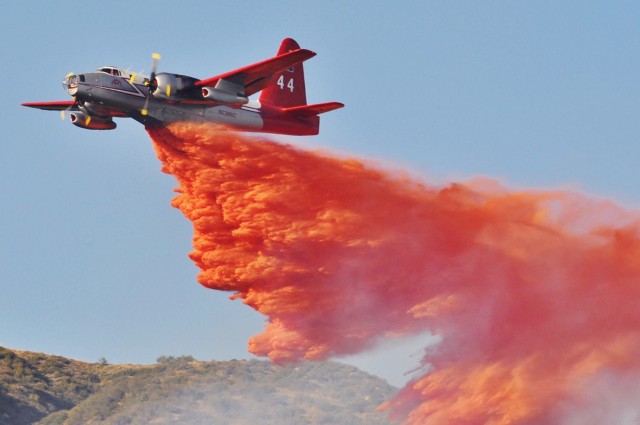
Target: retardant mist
534 294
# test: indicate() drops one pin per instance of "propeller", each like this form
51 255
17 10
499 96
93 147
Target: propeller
63 112
155 57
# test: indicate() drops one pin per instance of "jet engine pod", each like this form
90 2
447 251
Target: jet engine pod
82 120
223 96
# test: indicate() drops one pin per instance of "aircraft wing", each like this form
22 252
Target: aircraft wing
60 105
257 76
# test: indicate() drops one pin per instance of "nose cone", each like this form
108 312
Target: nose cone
70 83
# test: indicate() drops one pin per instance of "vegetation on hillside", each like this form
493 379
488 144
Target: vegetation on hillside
52 390
32 385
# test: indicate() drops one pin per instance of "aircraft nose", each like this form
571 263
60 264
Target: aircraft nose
70 83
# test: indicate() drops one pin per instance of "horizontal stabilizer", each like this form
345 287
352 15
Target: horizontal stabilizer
316 109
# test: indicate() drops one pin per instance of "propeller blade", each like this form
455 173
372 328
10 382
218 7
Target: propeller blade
63 112
144 110
155 57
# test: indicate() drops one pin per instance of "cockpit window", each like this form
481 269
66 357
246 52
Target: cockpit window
110 70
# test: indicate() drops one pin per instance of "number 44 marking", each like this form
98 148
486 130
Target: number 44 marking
280 83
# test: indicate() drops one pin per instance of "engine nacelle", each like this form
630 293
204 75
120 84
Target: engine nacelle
88 122
173 87
223 96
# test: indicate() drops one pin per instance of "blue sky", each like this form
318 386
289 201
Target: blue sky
94 260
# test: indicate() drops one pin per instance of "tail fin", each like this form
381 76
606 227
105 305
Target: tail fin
287 88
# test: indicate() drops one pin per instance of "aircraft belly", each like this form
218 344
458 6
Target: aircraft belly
234 117
173 113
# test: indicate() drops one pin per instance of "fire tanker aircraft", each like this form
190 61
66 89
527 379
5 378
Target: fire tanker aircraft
163 98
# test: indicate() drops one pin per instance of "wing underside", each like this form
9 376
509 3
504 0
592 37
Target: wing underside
59 105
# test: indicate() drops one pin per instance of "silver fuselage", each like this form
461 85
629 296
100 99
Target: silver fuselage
102 94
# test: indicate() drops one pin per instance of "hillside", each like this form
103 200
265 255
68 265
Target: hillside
47 390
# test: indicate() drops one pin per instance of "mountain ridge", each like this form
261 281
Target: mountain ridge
37 388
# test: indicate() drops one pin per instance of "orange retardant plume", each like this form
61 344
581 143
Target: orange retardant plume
534 294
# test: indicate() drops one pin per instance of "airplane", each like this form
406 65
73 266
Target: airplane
162 98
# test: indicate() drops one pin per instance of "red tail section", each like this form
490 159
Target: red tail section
287 88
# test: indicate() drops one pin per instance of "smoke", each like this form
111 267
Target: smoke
532 292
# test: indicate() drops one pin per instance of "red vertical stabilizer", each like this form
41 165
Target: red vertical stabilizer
287 87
